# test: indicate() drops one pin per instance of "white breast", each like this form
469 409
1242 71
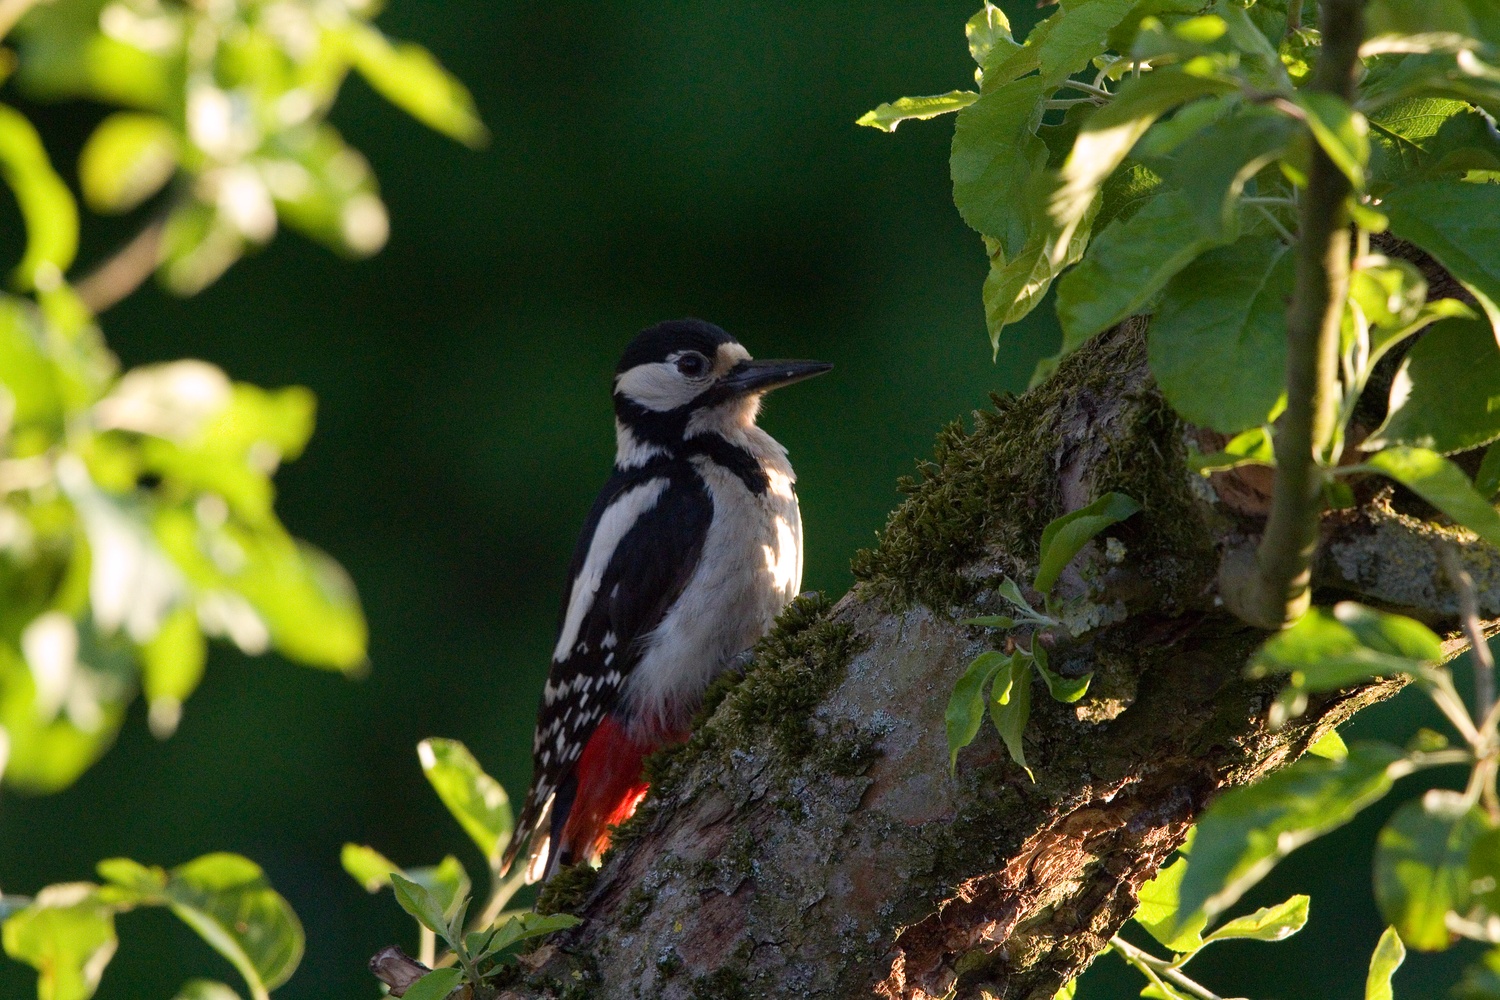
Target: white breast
751 566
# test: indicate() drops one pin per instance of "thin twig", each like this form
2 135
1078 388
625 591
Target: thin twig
1468 616
1087 88
126 270
1285 233
1153 966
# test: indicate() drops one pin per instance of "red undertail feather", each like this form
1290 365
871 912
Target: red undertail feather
610 786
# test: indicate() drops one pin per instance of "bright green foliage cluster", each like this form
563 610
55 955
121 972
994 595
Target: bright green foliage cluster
67 932
1001 682
439 897
226 105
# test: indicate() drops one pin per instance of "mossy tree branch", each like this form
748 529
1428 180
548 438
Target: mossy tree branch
1276 590
810 841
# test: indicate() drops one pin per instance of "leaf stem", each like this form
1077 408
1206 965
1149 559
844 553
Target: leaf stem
1156 969
1277 589
1087 88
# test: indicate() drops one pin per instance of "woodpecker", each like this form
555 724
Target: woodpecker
692 548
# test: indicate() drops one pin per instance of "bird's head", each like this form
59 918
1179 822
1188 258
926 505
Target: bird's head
686 377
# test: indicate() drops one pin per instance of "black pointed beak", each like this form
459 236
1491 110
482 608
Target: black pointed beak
748 377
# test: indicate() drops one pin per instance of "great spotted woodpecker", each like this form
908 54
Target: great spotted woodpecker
692 548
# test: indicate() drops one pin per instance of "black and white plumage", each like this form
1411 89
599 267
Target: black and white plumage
692 548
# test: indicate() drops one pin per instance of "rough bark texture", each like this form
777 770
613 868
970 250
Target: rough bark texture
809 840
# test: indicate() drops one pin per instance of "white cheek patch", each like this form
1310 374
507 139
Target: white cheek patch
657 386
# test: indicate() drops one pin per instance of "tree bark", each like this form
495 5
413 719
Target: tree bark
810 841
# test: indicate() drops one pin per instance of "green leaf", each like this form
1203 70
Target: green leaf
409 77
126 160
1012 594
1253 447
1459 224
206 989
1330 746
1159 911
1213 164
1487 479
1446 396
67 934
1481 981
474 798
446 882
1341 131
225 898
131 882
307 600
1269 923
1246 831
1108 135
887 116
325 189
524 926
1442 484
1013 288
1063 689
1331 649
171 666
46 204
419 904
996 154
989 36
1421 866
367 866
1065 536
1388 956
965 712
1129 262
1010 707
436 985
1218 340
991 621
1079 34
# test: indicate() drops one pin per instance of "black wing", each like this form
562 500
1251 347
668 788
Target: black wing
642 551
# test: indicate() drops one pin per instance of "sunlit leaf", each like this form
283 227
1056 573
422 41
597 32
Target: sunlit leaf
1330 746
1064 537
1010 706
1342 132
46 204
1442 484
226 899
1421 866
1159 911
1246 831
1269 923
474 798
887 116
1387 958
1328 649
68 935
989 36
367 866
171 666
1064 689
1252 447
126 160
409 77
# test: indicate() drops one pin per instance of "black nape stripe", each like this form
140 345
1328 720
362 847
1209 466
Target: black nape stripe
732 457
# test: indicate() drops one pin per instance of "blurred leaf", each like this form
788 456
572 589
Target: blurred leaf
474 798
132 883
409 77
197 248
1269 923
1482 980
68 935
307 600
887 116
46 204
126 160
1064 537
47 753
1064 689
996 154
1341 131
1246 831
1110 133
1446 396
1388 956
1129 262
1331 649
1010 707
965 712
171 666
419 904
1252 447
1159 911
326 189
436 985
1459 224
206 989
1330 746
1442 484
1218 340
367 866
225 898
1487 480
1421 866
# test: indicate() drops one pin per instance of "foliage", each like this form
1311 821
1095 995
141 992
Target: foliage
137 514
1159 156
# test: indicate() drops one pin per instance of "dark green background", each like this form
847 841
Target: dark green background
649 161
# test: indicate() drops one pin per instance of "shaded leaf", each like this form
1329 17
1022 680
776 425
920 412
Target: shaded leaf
1065 536
1482 980
226 899
1446 396
1159 911
524 926
1459 224
1252 447
887 116
965 712
1442 484
1487 479
1010 706
419 904
1246 831
435 985
1421 866
1014 287
206 989
474 798
1342 132
996 153
1328 649
1063 689
446 882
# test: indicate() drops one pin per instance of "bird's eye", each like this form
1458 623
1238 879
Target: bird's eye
692 364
